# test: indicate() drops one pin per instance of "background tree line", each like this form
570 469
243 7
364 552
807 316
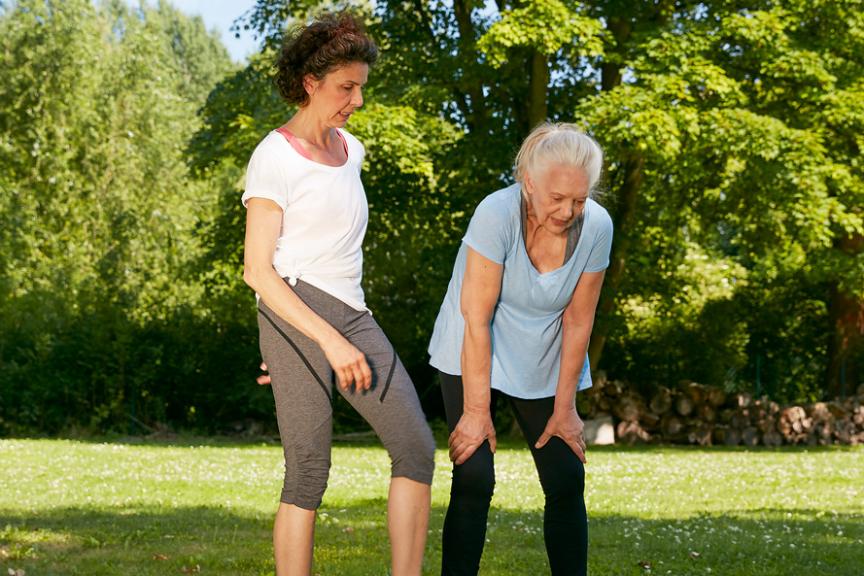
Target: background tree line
733 133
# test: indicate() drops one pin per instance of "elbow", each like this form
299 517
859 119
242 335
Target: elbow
252 276
475 319
249 277
579 323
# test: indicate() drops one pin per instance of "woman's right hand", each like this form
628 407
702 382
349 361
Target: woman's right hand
348 363
470 432
264 379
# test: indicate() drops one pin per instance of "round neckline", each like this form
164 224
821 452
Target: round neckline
524 248
315 163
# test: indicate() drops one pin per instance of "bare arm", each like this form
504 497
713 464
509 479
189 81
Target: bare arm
577 325
578 322
481 288
263 224
480 291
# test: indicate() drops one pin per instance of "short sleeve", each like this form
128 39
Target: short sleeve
490 232
265 175
598 260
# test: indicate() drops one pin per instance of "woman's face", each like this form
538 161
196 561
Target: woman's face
338 94
557 196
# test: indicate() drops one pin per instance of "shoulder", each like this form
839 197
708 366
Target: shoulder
273 143
493 226
601 221
500 205
268 174
353 143
273 150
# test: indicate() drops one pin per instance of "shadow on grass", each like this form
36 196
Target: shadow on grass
352 540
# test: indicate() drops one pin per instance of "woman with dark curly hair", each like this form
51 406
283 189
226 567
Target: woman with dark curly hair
306 219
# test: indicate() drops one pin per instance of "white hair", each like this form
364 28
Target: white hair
559 143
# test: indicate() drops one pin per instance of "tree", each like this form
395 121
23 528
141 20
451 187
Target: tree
732 168
97 216
733 139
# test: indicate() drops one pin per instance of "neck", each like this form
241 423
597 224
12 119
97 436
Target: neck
533 227
307 125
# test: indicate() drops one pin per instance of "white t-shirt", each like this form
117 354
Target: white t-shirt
324 215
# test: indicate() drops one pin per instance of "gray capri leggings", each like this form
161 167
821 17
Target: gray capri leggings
302 382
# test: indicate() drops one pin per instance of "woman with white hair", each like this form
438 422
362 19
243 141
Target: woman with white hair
515 324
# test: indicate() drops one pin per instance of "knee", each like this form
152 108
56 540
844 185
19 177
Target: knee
414 455
306 481
564 482
475 478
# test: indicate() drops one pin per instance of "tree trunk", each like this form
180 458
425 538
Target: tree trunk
611 68
475 110
846 338
632 168
537 105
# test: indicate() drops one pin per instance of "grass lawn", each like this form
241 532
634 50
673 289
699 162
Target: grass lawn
71 507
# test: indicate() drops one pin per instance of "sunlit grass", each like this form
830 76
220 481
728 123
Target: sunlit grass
69 507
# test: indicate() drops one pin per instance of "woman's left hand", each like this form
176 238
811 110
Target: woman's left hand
568 426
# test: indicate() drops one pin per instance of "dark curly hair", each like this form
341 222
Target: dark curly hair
318 48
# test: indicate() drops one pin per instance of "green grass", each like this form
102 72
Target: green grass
71 507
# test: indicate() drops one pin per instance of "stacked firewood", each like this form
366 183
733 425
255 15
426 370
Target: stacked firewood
693 413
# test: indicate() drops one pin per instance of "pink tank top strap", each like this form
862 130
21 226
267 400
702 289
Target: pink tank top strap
344 142
295 142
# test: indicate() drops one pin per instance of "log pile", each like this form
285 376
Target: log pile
693 413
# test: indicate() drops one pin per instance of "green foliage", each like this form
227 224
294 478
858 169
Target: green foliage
733 135
727 115
98 214
547 25
723 137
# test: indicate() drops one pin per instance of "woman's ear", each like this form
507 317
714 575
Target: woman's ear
310 84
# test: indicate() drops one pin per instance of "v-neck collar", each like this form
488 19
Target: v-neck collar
574 232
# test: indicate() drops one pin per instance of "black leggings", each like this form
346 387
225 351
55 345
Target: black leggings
562 475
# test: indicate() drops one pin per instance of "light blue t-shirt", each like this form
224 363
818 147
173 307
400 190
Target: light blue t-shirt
526 325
